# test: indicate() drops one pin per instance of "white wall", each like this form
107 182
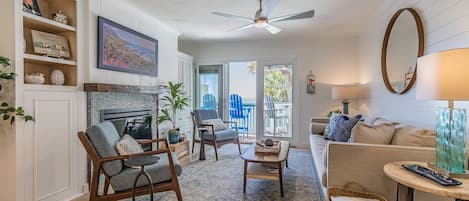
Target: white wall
126 14
446 25
333 61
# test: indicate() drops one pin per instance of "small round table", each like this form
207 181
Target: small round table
142 161
410 181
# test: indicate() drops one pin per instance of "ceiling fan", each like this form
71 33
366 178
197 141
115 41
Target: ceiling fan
262 20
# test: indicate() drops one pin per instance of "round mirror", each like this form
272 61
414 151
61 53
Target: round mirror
403 44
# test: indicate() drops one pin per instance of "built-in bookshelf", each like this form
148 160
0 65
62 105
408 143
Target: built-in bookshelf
40 63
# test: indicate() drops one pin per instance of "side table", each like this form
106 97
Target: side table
411 181
142 161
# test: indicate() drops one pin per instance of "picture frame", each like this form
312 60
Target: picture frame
126 50
51 45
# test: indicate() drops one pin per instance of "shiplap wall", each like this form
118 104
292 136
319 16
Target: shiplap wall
446 24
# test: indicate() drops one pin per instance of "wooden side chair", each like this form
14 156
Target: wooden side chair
207 133
100 141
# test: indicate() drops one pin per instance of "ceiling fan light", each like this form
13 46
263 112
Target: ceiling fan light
261 23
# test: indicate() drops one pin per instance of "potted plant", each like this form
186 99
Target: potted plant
8 112
175 100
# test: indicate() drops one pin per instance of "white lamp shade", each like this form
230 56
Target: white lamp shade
444 75
346 92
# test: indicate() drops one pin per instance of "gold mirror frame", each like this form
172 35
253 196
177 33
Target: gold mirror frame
384 49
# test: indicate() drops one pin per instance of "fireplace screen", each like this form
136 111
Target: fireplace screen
136 122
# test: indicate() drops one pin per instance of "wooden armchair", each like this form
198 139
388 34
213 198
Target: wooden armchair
207 133
99 142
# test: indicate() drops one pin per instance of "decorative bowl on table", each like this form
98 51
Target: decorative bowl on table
34 78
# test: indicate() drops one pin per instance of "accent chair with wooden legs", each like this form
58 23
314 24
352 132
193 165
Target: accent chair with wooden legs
209 135
100 142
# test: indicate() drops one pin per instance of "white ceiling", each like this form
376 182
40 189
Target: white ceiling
193 18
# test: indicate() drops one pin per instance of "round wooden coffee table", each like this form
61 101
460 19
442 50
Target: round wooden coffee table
411 181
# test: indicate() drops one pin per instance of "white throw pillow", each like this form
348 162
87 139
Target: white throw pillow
127 145
217 123
380 134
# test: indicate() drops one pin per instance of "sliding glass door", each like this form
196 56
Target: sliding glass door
276 82
209 88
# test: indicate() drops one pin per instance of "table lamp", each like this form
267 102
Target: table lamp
445 76
345 93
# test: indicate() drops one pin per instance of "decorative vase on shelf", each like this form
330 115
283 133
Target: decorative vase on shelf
57 77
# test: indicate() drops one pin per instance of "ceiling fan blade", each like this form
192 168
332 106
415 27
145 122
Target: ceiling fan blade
273 29
242 27
268 7
296 16
246 19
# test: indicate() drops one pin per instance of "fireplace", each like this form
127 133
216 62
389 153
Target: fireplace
136 122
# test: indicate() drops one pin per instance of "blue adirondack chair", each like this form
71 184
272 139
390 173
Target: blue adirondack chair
239 113
209 102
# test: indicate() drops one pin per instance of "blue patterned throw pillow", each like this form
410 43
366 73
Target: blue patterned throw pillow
343 128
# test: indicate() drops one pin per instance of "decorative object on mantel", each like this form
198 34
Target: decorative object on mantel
311 83
60 17
31 6
123 49
176 100
50 44
444 76
403 43
8 112
57 77
345 93
34 78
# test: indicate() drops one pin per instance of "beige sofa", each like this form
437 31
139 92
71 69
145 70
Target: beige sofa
362 163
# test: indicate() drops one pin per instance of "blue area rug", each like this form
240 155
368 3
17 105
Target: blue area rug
223 180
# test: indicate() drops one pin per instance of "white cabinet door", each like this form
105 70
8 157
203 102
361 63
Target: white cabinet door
50 146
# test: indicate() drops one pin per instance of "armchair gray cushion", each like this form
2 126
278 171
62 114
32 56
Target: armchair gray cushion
159 172
222 135
104 137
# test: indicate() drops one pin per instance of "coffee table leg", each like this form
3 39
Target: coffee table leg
245 172
280 178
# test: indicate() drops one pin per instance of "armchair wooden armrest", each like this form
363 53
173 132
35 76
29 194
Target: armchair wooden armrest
122 157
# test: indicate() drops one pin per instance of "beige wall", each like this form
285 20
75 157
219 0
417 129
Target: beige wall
446 25
7 131
334 60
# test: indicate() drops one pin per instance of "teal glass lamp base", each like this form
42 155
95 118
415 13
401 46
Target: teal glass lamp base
451 140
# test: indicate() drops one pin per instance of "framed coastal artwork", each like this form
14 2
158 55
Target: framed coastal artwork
126 50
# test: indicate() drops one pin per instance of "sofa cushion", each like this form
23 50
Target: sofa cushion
222 135
411 136
159 172
343 127
104 137
318 146
318 128
380 134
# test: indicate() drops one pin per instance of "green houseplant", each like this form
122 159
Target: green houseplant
7 112
174 101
